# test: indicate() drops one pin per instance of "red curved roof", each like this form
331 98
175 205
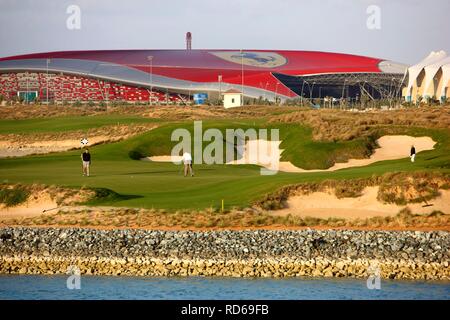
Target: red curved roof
206 65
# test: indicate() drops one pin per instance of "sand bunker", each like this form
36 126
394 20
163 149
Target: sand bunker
326 205
174 159
31 208
390 148
15 149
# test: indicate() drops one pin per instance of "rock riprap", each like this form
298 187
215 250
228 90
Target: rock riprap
262 253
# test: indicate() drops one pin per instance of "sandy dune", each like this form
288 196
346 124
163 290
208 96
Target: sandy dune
327 205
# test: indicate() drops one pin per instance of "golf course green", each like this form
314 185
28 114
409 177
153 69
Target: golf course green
147 184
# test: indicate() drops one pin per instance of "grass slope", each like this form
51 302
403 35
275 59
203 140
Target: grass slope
68 123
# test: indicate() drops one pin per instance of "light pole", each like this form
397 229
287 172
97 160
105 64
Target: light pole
390 93
27 102
398 90
219 77
265 89
150 59
189 94
242 75
106 93
276 93
342 96
301 93
395 91
262 88
311 91
46 80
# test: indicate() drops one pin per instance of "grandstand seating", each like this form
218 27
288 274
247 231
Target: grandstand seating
71 88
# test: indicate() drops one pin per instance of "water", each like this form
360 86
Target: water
104 287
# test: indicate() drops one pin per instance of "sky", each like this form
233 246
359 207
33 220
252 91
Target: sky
400 30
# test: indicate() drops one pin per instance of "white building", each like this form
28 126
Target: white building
232 98
429 79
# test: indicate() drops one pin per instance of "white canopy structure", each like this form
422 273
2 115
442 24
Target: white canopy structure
429 78
444 87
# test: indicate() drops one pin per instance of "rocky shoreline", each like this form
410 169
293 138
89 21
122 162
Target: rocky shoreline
262 253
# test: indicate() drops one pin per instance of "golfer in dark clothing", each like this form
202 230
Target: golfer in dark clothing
86 159
413 153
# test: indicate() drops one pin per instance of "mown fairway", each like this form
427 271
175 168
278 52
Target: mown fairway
162 185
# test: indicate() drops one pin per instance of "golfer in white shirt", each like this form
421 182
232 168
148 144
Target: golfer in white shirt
187 160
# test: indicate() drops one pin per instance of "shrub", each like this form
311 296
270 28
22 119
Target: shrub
13 197
135 155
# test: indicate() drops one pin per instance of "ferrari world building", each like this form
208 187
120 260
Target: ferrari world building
175 76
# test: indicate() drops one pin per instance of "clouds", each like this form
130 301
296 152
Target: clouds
328 25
